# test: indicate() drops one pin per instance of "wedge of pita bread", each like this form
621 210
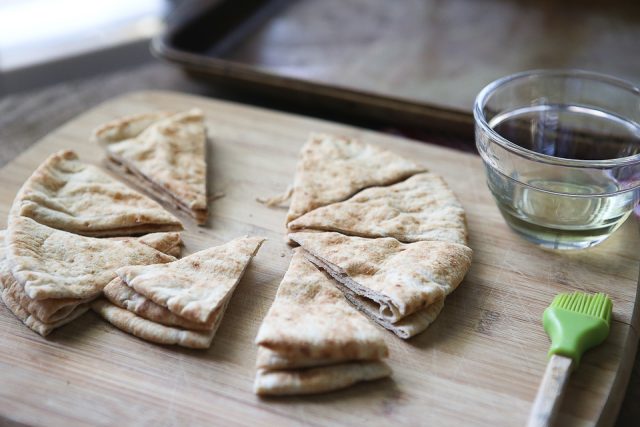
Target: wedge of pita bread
195 286
166 158
51 263
333 168
420 208
118 293
69 195
400 278
311 319
55 309
127 127
318 380
34 324
406 327
168 243
45 311
150 331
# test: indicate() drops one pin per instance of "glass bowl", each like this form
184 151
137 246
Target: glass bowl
561 150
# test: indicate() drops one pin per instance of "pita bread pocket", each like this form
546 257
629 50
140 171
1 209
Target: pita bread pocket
121 295
150 331
69 195
406 327
420 208
400 278
51 263
195 286
333 168
166 158
318 380
311 319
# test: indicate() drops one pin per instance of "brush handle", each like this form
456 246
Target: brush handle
550 393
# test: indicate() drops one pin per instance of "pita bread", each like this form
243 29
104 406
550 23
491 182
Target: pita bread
400 278
420 208
311 319
406 327
154 332
45 311
333 168
51 263
195 286
69 195
127 127
168 243
167 157
318 380
118 293
12 302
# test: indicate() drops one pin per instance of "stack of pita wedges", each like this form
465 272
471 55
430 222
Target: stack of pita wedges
50 269
391 234
180 302
312 340
163 154
50 276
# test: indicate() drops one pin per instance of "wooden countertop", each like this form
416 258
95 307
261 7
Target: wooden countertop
26 118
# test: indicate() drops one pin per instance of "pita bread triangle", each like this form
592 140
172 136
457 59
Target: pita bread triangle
399 279
147 330
70 195
420 208
319 379
311 319
13 303
121 295
50 263
333 168
166 157
195 286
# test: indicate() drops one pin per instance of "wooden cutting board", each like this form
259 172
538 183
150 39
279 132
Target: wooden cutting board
479 364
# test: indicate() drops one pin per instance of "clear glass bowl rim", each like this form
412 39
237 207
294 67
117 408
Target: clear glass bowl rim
488 90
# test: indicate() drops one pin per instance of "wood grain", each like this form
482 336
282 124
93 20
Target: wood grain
480 363
546 406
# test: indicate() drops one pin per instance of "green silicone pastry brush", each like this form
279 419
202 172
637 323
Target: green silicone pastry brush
575 323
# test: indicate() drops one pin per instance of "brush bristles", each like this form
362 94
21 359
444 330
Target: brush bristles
597 305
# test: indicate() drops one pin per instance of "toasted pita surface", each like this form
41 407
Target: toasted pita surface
420 208
401 278
168 243
333 168
70 195
318 380
150 331
127 127
118 293
310 319
12 302
167 158
51 263
194 286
